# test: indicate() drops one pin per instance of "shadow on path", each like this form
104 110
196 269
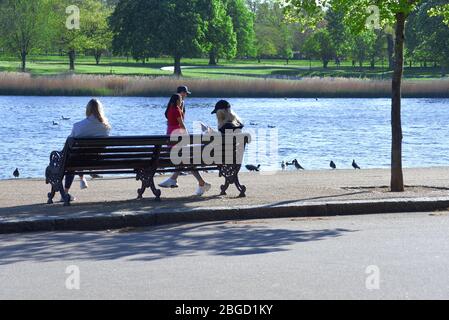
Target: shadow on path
223 239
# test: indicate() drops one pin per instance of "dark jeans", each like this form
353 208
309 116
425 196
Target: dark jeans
69 178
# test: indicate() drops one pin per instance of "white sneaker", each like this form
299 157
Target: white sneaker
169 183
83 184
202 190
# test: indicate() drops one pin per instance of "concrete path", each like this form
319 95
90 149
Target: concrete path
278 194
400 256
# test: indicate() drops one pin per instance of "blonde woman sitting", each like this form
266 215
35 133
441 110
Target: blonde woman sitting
96 125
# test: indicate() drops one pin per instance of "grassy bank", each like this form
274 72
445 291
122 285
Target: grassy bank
89 85
58 65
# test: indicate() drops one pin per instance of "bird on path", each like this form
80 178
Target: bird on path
355 165
64 118
333 165
253 168
55 123
16 173
297 165
283 165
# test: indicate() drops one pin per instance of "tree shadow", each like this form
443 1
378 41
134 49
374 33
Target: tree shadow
102 208
149 244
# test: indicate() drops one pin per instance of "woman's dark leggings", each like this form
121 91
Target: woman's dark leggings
69 178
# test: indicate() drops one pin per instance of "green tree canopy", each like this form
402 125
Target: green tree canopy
151 27
91 33
220 38
23 26
243 22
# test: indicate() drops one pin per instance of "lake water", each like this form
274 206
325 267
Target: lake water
314 132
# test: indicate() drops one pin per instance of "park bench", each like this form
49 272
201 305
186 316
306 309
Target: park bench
146 156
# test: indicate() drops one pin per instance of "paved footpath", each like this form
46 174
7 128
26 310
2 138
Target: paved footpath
110 203
394 256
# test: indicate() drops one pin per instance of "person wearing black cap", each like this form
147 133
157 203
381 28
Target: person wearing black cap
227 119
184 92
176 125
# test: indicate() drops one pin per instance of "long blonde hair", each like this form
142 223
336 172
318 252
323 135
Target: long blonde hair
95 108
225 116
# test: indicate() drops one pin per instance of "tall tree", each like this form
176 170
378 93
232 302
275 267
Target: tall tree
430 34
221 40
80 25
357 13
363 47
23 24
273 31
243 22
320 45
98 33
171 27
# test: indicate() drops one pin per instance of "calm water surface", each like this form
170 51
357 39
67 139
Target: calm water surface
314 132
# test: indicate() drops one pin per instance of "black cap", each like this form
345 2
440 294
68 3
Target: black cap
183 89
221 105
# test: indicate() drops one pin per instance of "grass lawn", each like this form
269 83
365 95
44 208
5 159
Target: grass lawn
54 65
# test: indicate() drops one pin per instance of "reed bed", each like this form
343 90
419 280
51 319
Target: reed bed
89 85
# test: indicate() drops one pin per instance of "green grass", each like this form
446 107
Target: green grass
55 65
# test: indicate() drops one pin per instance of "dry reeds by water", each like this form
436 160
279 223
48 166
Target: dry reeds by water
90 85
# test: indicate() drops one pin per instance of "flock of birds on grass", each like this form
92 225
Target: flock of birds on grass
298 166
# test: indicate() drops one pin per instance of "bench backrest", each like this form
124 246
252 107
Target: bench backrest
128 154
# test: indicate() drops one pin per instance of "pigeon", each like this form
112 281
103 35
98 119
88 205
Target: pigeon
64 118
271 127
16 173
253 168
297 165
355 165
55 123
283 165
333 165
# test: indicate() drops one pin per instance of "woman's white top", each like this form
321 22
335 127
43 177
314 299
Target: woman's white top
89 127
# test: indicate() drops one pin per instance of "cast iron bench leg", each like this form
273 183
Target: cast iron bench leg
147 178
230 173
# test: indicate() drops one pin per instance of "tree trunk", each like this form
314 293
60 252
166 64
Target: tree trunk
390 43
72 56
97 57
373 63
212 59
397 177
325 64
178 71
23 56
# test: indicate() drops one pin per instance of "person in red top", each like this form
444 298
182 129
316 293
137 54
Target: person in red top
176 125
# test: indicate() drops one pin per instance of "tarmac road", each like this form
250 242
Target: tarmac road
400 256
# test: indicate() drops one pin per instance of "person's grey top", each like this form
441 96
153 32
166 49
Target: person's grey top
89 127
